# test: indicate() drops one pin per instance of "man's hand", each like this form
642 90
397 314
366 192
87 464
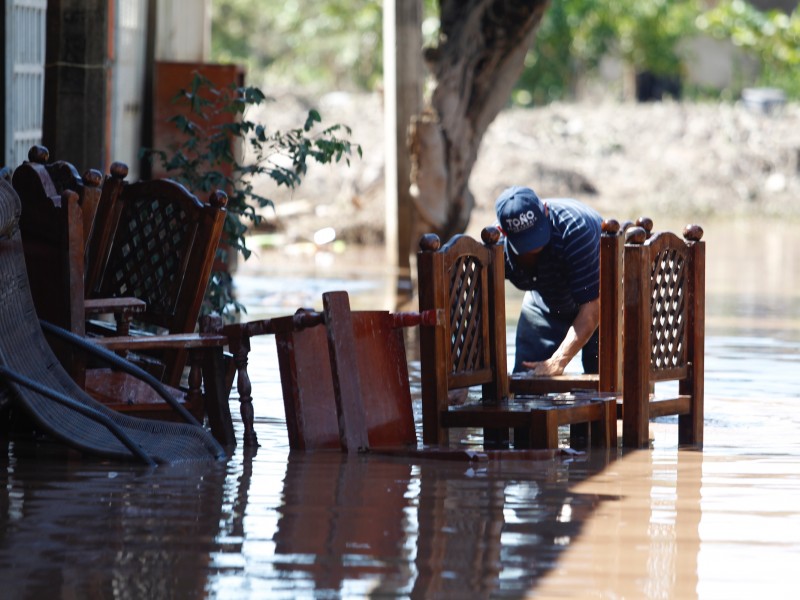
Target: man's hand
579 333
544 367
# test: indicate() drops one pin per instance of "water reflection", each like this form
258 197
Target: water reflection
342 525
370 525
83 529
646 544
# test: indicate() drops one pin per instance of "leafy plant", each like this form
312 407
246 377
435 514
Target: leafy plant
575 35
327 44
772 36
215 131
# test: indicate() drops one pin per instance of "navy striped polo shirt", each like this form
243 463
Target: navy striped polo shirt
567 273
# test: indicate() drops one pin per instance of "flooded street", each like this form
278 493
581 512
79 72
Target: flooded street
660 523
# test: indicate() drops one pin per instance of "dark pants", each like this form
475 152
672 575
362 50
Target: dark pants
540 333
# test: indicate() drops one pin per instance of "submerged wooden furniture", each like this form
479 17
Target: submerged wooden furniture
41 387
609 376
162 242
344 376
55 248
464 279
664 333
54 228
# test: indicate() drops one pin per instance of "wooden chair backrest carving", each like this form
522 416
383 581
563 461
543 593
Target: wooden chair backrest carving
664 332
161 247
51 179
465 280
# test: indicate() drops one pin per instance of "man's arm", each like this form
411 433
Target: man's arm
584 325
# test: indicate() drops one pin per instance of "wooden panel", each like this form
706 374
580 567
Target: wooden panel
378 359
383 369
307 385
169 79
345 376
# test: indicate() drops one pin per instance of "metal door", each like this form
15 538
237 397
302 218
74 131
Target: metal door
24 76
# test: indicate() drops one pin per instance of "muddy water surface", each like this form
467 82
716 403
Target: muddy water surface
658 523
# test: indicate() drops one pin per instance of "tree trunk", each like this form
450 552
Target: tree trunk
481 53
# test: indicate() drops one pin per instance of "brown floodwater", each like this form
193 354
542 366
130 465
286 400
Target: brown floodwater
658 523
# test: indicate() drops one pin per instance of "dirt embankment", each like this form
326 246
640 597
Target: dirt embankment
679 159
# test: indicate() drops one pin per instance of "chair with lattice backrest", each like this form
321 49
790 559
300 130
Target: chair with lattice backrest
42 389
464 279
54 246
664 332
161 249
609 376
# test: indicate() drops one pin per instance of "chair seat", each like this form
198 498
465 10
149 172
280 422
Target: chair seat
535 419
525 384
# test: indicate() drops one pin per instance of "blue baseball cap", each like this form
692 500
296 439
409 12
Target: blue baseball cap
520 213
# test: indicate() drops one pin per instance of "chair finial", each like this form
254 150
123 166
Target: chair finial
490 235
92 178
38 154
636 235
693 232
218 199
645 223
430 242
610 227
118 170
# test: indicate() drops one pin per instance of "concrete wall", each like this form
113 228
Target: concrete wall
183 30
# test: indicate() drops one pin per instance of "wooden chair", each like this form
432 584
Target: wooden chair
54 227
664 332
57 231
609 376
464 279
344 376
161 244
42 389
61 176
54 245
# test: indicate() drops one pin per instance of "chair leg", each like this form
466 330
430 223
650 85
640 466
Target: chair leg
636 418
579 434
195 393
604 429
690 430
544 429
216 403
496 438
240 348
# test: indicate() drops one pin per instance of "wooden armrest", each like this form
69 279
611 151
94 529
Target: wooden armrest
98 306
154 342
123 309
